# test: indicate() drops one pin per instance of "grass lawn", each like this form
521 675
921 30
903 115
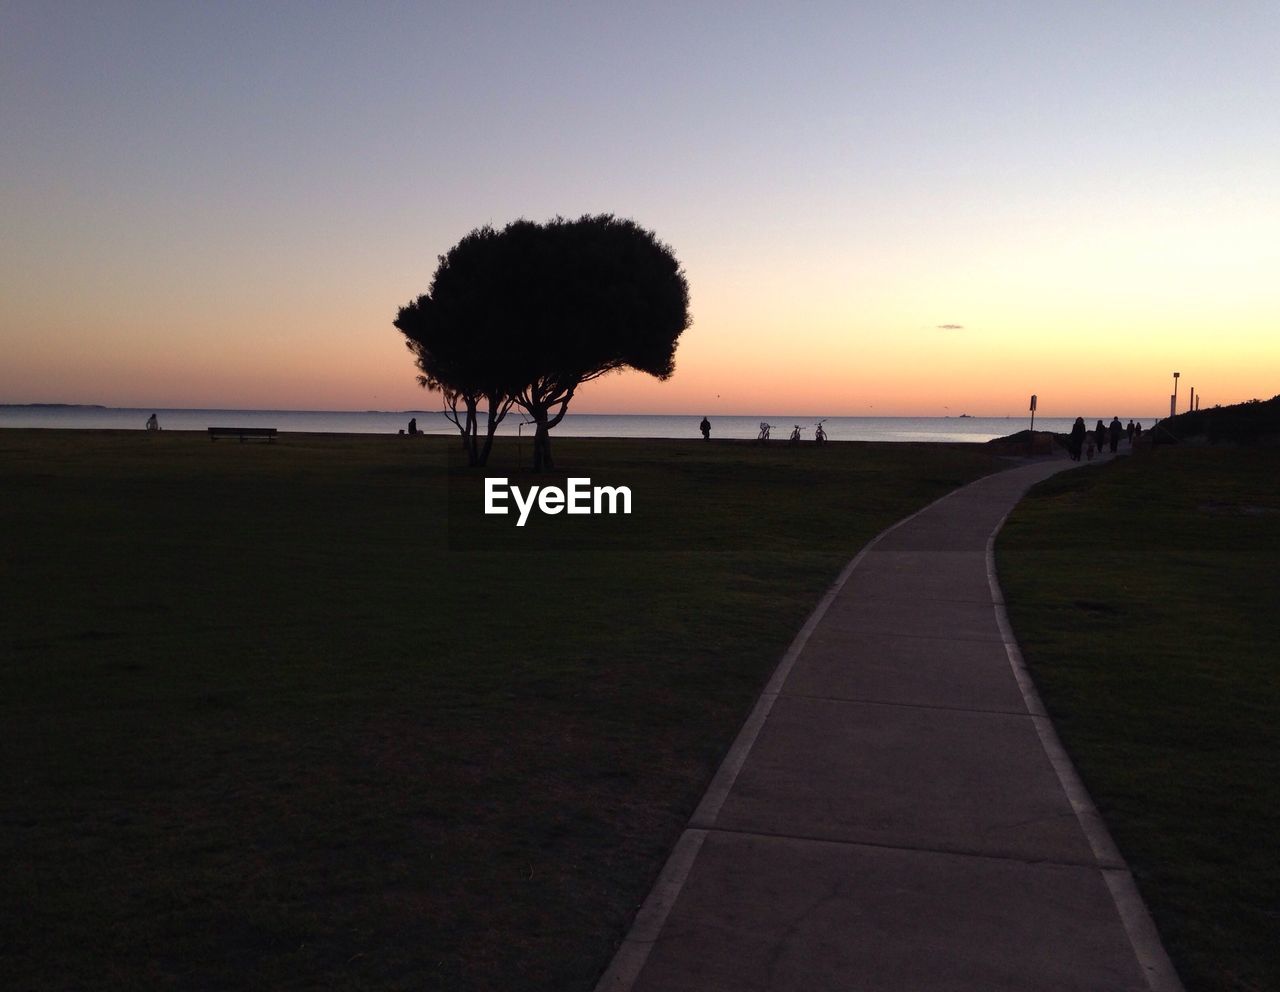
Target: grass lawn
298 716
1144 596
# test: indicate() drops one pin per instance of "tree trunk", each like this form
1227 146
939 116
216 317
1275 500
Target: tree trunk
469 435
542 445
539 411
490 429
497 405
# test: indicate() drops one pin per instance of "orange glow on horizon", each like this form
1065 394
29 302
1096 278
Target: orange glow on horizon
920 371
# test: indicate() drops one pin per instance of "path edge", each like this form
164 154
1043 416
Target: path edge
1141 930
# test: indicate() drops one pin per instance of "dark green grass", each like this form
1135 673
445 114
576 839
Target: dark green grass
1144 596
297 716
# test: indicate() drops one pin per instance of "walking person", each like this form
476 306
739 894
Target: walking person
1100 437
1129 431
1075 444
1117 429
705 427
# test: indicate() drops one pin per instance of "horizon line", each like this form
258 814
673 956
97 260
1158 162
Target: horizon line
581 413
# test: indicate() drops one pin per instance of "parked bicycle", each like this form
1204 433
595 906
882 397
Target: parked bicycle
819 435
764 432
795 434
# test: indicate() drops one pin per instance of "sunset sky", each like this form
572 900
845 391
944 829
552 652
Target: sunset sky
897 208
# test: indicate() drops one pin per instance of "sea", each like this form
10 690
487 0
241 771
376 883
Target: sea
961 429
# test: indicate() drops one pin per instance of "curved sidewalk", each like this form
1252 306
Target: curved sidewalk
897 813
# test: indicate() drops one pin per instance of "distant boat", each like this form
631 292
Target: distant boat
964 415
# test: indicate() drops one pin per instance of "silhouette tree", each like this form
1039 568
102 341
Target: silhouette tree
603 295
528 314
452 332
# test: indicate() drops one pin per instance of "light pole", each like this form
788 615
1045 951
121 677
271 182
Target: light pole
1173 400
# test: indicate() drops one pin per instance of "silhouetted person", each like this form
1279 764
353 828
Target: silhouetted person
705 427
1100 437
1137 430
1129 432
153 423
1117 429
413 425
1076 443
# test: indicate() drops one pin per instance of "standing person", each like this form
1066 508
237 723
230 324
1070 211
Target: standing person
413 425
705 427
1129 431
1117 429
1100 437
1076 445
1137 430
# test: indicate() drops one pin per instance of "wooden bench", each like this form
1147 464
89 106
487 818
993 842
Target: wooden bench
243 433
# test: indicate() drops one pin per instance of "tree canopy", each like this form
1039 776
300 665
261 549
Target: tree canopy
527 314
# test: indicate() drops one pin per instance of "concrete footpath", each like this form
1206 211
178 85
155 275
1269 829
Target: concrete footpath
897 813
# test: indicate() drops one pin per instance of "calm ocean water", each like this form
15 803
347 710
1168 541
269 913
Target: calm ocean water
962 429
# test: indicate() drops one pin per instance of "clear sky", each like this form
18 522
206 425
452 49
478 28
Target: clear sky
224 204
